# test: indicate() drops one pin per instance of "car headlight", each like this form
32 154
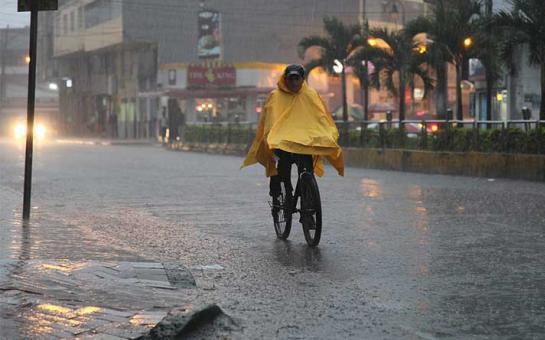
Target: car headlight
39 131
20 131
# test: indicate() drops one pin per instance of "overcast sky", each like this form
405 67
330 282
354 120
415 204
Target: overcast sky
9 15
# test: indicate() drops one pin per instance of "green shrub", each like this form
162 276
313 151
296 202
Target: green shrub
510 140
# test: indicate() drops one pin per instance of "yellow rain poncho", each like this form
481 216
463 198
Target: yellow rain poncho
298 123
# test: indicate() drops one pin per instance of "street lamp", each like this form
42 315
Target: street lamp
338 67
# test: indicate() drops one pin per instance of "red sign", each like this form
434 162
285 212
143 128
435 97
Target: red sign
211 76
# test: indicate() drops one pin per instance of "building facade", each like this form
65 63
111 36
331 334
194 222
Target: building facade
14 59
516 89
118 62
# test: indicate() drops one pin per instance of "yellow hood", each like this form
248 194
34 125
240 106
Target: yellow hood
298 123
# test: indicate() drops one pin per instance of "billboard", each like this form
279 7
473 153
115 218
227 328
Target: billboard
476 70
209 43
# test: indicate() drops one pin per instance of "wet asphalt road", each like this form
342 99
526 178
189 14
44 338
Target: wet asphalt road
402 255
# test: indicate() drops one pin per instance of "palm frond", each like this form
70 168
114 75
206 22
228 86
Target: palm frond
312 41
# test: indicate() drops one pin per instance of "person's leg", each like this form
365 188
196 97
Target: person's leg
307 162
284 173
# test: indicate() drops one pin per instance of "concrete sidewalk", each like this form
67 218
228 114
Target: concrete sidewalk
46 299
91 299
57 283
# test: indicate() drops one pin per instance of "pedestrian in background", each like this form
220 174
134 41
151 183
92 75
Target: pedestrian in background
174 113
112 121
163 119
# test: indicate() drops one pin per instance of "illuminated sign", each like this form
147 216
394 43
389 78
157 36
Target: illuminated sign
211 76
209 43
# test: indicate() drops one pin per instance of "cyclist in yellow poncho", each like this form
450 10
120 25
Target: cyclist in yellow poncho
295 121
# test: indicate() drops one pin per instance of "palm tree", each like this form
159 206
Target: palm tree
360 60
524 25
397 65
487 50
339 42
449 26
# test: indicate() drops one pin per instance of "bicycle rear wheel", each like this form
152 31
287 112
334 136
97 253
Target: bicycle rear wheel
311 209
282 213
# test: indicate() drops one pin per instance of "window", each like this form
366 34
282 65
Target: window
57 25
80 17
172 77
65 24
72 21
100 11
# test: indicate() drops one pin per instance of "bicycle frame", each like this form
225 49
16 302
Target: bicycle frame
308 195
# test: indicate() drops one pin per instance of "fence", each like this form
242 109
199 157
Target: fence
516 136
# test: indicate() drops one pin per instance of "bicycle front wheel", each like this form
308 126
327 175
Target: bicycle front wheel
282 213
311 209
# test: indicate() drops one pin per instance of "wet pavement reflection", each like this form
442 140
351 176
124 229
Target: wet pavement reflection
299 256
402 255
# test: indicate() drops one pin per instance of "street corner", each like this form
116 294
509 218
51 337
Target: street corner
92 300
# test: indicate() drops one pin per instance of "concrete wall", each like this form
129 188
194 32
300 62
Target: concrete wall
474 164
516 166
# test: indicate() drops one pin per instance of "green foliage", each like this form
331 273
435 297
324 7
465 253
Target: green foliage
509 140
340 40
218 134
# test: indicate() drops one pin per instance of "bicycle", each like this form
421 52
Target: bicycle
310 208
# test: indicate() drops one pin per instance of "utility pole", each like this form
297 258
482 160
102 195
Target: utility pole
30 106
4 47
364 24
488 73
33 6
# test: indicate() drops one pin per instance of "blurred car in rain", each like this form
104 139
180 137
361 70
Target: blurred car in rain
20 131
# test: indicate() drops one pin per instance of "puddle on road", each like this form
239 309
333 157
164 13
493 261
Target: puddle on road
46 237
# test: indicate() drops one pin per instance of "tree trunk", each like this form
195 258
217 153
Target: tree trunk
402 86
489 83
489 87
343 88
542 106
413 99
366 98
441 94
459 108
